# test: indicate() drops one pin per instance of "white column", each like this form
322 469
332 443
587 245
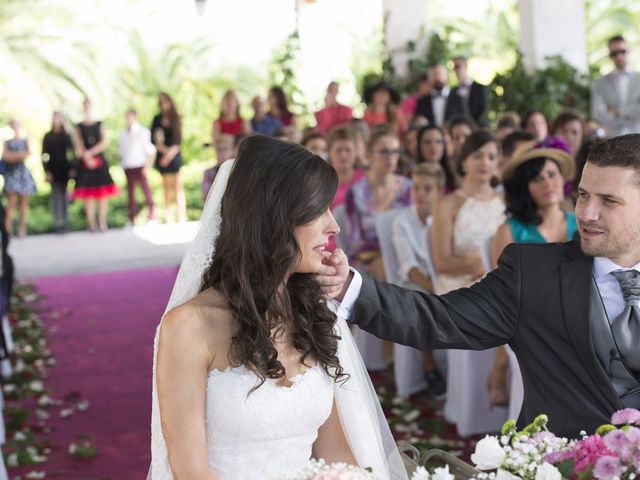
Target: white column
404 20
552 27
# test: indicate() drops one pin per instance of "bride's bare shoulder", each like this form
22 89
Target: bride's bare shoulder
207 316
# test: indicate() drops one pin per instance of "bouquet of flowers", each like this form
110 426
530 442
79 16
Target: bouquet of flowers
320 470
612 453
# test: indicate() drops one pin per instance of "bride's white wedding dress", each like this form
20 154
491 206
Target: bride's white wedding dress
269 433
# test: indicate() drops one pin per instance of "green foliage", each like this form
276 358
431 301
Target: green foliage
438 53
40 219
283 71
550 89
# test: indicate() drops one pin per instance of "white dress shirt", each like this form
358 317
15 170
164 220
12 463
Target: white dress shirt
409 238
609 286
439 105
135 146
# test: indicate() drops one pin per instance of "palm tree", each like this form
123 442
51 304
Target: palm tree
606 19
44 59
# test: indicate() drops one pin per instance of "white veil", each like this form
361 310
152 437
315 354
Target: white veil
362 418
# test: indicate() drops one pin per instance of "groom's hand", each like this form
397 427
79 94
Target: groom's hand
334 276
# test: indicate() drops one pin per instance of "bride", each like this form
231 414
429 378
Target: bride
254 373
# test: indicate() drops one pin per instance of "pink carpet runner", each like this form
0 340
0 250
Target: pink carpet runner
104 347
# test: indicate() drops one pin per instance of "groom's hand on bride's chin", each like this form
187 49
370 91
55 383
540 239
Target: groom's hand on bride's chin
334 276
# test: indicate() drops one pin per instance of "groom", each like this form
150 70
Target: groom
569 311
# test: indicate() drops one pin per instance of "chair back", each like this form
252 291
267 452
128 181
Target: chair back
384 222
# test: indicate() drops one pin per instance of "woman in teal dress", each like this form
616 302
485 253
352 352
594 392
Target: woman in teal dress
533 185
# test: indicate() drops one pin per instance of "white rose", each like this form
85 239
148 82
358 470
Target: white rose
442 474
489 454
546 471
420 474
504 475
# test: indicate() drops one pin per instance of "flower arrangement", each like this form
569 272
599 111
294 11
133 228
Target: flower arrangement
320 470
612 453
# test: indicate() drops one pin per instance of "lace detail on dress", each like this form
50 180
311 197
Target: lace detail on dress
268 433
475 223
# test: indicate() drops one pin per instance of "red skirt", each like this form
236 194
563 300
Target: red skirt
95 193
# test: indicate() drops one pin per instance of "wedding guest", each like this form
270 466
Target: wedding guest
136 155
166 130
230 122
411 143
344 158
410 102
472 95
333 113
432 149
463 222
580 161
507 123
380 190
279 107
382 108
18 181
569 126
262 122
458 129
511 143
360 132
225 150
57 150
439 106
409 232
533 184
593 129
316 143
615 99
280 134
93 181
535 122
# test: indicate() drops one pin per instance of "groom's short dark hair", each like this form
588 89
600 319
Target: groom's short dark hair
622 151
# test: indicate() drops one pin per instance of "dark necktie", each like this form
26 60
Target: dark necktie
626 328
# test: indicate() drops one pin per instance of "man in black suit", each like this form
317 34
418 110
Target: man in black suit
439 105
569 311
472 95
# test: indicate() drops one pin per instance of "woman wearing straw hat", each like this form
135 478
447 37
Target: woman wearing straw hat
533 185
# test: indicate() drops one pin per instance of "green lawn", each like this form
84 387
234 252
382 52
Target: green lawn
40 219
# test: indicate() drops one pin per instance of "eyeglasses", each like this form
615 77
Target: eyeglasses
615 53
385 152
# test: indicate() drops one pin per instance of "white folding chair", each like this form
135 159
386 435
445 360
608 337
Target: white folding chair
408 368
516 394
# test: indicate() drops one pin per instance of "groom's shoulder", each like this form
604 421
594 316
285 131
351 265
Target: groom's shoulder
548 252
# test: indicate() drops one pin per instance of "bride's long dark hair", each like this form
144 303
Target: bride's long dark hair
274 187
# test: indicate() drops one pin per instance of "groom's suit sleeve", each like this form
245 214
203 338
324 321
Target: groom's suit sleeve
482 316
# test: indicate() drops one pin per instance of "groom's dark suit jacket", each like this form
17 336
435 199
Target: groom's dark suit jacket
537 301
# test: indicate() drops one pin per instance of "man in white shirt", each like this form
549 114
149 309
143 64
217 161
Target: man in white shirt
569 311
615 100
136 154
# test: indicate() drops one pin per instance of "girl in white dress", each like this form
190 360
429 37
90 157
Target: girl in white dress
253 377
463 224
